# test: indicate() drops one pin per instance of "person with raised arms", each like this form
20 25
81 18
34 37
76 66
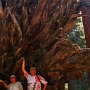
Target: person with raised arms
34 81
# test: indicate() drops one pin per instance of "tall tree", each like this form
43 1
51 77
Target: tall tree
86 22
37 30
86 12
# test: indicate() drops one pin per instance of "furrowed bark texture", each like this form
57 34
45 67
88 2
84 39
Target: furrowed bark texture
37 30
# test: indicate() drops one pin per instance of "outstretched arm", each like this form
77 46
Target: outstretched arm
23 68
4 84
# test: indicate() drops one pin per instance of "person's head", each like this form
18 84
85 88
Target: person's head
13 78
32 71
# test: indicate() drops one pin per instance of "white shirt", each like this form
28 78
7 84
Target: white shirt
16 86
34 82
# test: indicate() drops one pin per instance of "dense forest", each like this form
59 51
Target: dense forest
37 30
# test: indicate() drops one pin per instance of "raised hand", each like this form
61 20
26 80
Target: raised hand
1 81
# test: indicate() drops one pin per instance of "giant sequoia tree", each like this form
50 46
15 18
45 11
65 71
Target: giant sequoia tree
37 30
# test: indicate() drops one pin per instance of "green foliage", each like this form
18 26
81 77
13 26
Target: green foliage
77 34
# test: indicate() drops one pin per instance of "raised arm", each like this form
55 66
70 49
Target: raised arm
23 68
4 84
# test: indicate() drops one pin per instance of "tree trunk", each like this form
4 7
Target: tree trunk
86 22
37 30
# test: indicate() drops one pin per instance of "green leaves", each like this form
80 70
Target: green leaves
77 33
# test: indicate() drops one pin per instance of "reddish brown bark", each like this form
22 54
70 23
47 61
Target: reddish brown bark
86 23
40 36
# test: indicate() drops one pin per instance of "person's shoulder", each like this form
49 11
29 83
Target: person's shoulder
29 75
39 75
10 84
18 82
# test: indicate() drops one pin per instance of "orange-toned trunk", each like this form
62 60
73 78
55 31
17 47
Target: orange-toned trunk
86 23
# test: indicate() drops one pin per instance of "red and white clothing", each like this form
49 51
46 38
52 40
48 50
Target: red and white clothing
34 82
